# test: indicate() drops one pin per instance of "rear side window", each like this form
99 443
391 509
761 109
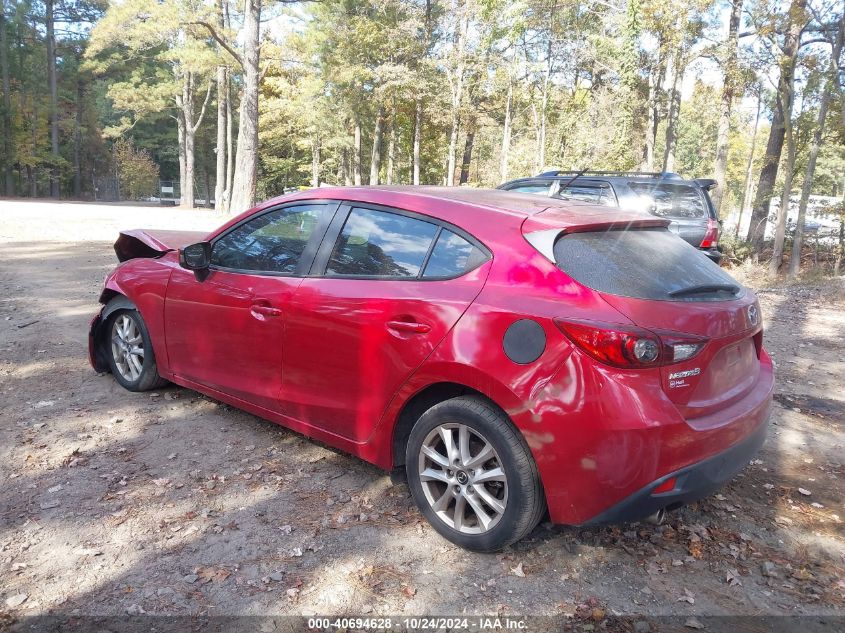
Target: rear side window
452 256
671 200
592 194
541 189
380 244
643 264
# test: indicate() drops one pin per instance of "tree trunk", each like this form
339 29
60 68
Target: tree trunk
186 102
375 156
468 144
746 188
246 161
418 110
347 168
315 161
180 130
674 113
506 135
220 149
207 185
783 213
230 146
8 155
774 146
456 83
356 154
815 145
391 146
728 91
544 104
54 99
77 140
222 99
453 146
651 126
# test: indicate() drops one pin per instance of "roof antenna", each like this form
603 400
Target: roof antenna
573 179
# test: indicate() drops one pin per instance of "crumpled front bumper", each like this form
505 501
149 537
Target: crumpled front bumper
96 353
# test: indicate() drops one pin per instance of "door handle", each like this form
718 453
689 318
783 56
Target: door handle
409 326
259 308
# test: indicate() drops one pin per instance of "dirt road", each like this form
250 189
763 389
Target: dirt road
171 503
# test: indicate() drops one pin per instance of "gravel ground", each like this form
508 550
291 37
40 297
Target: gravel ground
171 503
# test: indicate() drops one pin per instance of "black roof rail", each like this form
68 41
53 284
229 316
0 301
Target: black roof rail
648 174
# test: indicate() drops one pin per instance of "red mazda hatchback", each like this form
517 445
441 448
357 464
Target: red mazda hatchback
515 355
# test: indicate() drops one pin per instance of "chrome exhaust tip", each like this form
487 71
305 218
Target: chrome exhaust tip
657 518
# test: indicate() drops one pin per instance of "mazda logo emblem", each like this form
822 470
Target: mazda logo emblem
753 314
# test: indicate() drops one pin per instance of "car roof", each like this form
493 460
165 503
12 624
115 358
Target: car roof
464 200
495 200
609 177
482 212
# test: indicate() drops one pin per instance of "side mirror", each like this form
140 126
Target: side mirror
196 257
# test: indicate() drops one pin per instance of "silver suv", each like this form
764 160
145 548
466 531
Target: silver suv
685 203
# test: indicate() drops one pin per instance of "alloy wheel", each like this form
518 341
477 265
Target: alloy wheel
462 478
127 348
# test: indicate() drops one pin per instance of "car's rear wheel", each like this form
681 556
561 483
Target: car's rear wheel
472 475
130 352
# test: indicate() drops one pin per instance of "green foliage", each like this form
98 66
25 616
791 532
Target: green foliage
136 171
583 79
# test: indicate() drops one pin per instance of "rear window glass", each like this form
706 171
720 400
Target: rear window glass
643 264
670 200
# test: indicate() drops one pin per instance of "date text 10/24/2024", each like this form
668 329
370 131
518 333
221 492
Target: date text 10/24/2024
418 624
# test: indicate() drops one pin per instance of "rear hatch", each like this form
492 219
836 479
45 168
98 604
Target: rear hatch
685 206
666 286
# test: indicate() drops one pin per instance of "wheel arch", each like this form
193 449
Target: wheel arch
421 402
112 300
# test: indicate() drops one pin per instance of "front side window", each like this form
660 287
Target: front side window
381 244
273 242
671 200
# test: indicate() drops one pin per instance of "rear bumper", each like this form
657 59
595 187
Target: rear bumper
602 465
692 482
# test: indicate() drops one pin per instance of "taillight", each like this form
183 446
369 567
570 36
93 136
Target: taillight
711 237
629 346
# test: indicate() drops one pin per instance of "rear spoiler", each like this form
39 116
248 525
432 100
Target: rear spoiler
705 183
542 233
150 244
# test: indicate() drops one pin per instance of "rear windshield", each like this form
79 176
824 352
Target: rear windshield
643 264
671 200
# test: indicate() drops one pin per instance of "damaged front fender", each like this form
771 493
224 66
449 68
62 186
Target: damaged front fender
97 334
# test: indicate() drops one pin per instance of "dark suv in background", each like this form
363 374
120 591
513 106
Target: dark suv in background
685 203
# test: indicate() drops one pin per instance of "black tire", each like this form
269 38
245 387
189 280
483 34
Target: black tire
148 377
525 502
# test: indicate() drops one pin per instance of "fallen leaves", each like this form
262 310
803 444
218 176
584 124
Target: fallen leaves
212 574
732 578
